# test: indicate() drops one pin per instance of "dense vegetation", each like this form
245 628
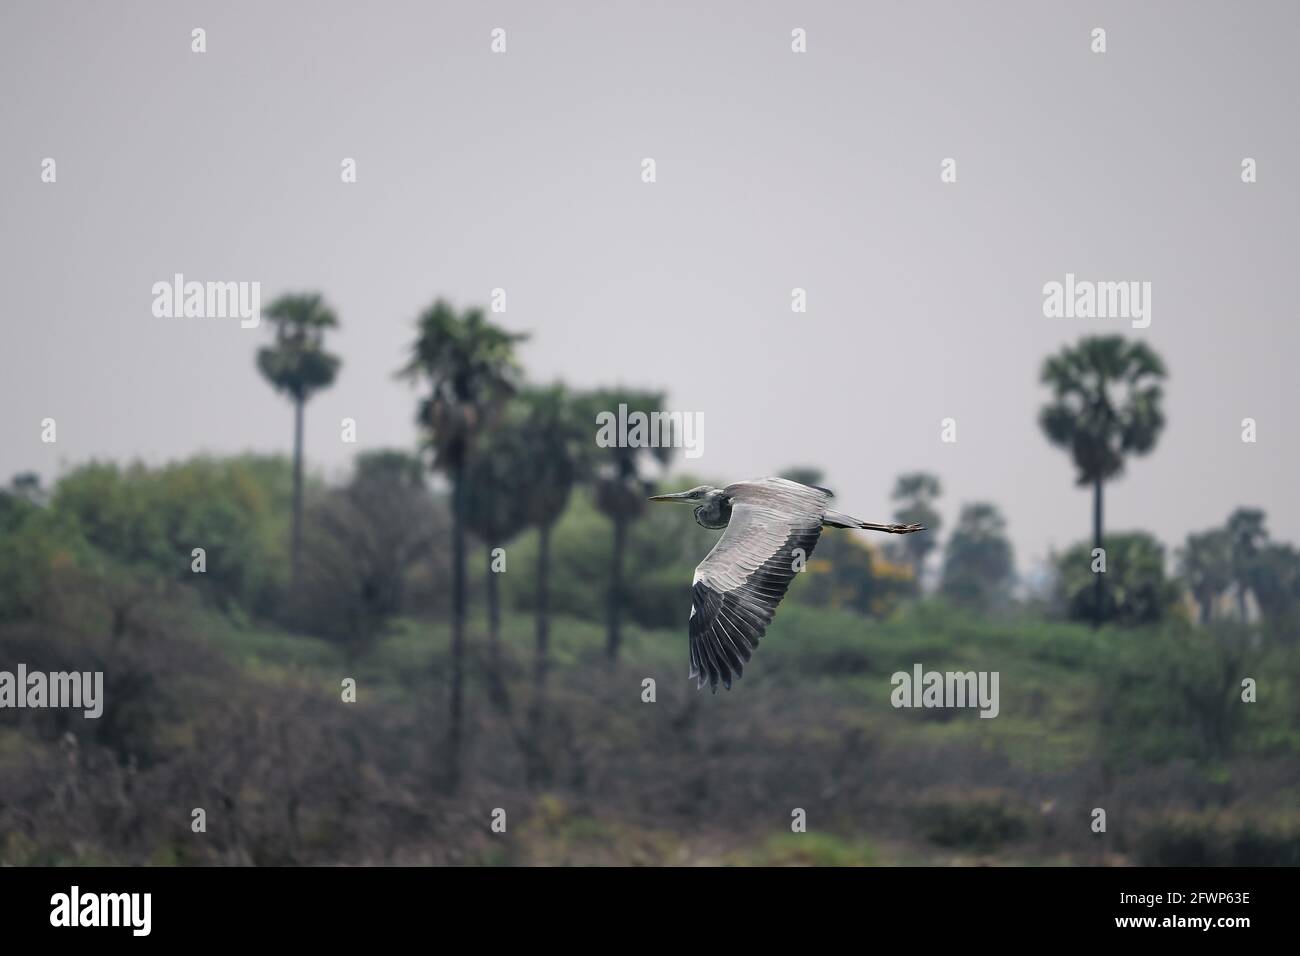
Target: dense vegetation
216 704
502 599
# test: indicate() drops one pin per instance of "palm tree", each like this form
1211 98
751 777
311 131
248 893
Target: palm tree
915 492
1246 538
522 474
621 491
299 366
1105 405
552 442
1276 584
497 483
556 441
1205 564
468 366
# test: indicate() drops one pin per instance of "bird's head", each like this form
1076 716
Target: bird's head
697 495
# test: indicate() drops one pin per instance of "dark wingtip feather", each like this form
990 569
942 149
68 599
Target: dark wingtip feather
726 626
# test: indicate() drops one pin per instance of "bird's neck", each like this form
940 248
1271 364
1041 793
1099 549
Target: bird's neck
714 513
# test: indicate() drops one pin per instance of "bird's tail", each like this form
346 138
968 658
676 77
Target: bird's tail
838 519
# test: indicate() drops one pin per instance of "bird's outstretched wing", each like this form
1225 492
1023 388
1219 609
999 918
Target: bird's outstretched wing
737 587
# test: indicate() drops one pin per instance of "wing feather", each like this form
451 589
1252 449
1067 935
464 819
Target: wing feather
738 586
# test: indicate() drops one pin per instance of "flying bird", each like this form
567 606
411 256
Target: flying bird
771 524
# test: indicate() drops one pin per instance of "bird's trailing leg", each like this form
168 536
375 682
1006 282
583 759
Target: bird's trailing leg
837 519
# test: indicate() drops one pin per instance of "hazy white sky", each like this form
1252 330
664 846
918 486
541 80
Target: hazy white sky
775 170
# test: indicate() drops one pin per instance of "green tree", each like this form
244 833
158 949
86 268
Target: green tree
978 567
556 442
1106 405
548 444
847 571
1205 565
497 480
1137 589
298 365
469 369
145 523
841 574
362 539
36 543
1246 539
620 489
19 500
915 493
1276 583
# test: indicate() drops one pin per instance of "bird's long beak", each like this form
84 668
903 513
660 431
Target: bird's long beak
680 496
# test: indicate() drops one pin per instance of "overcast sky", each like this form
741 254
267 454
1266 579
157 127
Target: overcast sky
775 170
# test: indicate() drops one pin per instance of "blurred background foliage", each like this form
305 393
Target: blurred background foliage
223 687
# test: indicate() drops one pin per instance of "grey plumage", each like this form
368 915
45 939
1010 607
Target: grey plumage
769 522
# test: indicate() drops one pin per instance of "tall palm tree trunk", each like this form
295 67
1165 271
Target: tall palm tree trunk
535 749
454 727
616 587
1098 584
541 662
295 544
496 681
493 611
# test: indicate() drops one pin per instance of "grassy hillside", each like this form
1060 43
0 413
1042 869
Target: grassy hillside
215 712
1088 719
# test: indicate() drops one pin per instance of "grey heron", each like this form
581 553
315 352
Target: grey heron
770 524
